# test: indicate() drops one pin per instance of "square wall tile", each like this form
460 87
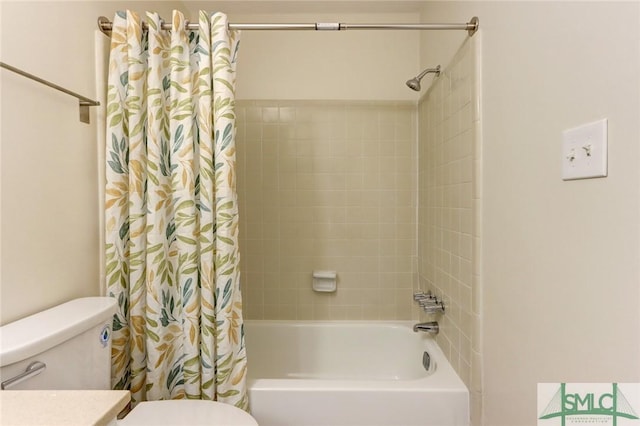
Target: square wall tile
449 194
327 185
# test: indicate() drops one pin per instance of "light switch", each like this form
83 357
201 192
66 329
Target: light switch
584 151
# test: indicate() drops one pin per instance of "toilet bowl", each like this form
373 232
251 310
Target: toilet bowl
74 341
186 412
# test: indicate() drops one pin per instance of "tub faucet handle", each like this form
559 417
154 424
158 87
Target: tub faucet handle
436 307
429 302
420 296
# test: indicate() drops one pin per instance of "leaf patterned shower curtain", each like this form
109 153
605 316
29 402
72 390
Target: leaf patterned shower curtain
171 210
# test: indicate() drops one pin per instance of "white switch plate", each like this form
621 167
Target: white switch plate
584 151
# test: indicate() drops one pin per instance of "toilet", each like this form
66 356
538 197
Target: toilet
74 341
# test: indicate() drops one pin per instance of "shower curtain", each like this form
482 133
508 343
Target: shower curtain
171 210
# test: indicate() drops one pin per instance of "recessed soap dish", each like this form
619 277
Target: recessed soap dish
324 281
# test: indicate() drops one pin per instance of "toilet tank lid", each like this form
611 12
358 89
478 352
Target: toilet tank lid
39 332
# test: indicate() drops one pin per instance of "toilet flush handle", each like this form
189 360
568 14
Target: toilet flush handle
33 369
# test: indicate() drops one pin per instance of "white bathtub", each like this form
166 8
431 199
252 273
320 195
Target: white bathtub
350 373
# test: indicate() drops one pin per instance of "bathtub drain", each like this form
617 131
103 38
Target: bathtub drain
426 360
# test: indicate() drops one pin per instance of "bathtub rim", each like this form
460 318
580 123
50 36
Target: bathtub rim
443 379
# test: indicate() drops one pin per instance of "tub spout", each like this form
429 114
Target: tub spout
430 327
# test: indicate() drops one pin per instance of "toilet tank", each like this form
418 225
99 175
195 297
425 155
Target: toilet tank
73 340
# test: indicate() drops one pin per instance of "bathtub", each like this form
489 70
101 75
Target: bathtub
350 373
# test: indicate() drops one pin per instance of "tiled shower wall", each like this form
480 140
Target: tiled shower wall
327 186
449 212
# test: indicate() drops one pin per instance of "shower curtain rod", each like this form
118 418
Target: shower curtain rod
105 25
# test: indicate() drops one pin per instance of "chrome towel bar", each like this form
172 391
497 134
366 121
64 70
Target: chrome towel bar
83 102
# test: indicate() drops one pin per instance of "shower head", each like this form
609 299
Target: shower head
414 83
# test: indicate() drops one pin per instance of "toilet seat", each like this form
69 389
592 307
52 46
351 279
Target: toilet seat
187 412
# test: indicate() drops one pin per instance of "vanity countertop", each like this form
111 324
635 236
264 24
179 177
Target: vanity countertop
61 408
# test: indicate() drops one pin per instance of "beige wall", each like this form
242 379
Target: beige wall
346 65
449 176
49 231
350 65
561 296
327 186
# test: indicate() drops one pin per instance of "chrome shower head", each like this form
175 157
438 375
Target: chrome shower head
414 83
